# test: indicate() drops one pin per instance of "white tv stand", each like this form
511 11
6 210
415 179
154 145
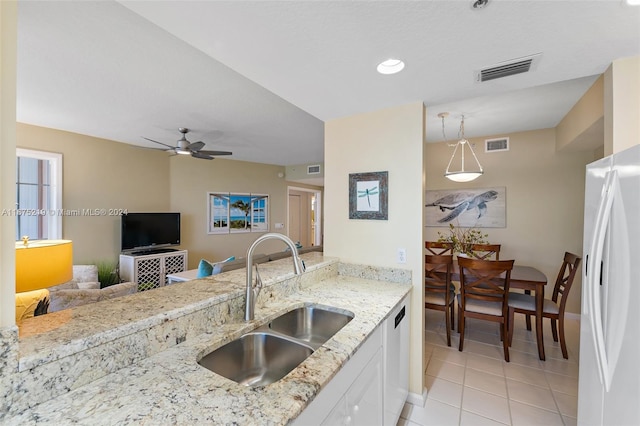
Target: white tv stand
149 269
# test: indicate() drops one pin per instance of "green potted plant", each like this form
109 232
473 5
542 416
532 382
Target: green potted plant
107 273
463 238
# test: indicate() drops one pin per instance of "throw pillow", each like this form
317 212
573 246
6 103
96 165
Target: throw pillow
205 269
217 268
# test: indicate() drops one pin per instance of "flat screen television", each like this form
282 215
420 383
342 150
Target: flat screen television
149 231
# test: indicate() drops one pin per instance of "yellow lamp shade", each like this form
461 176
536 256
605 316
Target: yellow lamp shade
42 264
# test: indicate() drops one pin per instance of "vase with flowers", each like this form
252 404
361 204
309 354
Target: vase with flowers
463 239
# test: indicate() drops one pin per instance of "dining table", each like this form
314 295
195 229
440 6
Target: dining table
527 278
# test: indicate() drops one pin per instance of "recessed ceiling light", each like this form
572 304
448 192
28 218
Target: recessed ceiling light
633 2
390 66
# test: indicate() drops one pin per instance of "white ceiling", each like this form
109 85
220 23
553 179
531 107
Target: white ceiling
259 78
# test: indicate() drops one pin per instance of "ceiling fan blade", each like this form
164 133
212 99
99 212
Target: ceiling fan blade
151 140
155 149
215 152
195 146
197 154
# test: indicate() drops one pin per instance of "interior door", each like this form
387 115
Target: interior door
305 216
295 219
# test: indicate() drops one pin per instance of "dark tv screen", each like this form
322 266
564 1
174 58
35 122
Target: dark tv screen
142 231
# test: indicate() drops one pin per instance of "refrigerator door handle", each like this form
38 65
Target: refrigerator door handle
593 287
591 261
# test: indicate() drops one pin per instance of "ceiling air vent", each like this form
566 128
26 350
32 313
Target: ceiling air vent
313 170
495 145
505 69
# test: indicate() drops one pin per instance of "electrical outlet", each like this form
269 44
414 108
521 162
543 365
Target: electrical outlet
402 255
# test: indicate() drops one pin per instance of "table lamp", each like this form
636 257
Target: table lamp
40 264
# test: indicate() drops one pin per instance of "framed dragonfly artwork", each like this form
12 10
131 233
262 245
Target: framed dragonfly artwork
368 195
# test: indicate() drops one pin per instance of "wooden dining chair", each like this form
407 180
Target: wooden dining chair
552 309
484 294
485 251
438 248
438 291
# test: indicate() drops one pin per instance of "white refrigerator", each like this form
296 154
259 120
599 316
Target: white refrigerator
609 382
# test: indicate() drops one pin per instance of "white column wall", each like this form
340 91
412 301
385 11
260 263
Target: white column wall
388 140
8 63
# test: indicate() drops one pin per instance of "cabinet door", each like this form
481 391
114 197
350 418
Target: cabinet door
174 263
364 399
396 361
338 416
148 273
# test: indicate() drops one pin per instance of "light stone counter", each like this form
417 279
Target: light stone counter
168 386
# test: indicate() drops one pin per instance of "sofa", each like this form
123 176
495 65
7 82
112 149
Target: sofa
240 262
85 288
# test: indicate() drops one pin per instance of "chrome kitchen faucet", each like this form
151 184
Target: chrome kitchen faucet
252 295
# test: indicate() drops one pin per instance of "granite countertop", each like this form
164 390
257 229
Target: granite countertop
171 388
70 331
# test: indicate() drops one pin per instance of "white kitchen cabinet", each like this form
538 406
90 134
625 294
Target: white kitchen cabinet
372 386
150 270
330 406
362 403
396 361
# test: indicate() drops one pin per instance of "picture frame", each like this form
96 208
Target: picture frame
466 208
239 213
368 195
218 213
235 213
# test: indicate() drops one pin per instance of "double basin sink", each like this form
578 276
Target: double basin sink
270 352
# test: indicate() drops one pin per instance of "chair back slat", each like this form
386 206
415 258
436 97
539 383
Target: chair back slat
485 251
438 289
438 270
438 248
486 280
484 295
565 278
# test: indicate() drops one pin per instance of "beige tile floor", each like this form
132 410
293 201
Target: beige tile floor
477 387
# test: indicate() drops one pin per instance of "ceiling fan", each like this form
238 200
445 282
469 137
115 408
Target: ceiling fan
184 147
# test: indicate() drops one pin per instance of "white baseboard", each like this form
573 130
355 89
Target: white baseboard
417 399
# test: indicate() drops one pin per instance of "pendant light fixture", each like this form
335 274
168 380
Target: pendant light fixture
460 175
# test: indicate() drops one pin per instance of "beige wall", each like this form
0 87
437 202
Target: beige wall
191 180
299 171
583 126
544 197
388 140
8 60
622 105
101 174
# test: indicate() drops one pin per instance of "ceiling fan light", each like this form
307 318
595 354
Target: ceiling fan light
182 151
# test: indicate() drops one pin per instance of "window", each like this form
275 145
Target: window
39 194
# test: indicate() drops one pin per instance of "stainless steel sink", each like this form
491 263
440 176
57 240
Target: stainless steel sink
256 358
311 324
269 353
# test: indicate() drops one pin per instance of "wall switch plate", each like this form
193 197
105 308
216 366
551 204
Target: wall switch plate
279 225
402 255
